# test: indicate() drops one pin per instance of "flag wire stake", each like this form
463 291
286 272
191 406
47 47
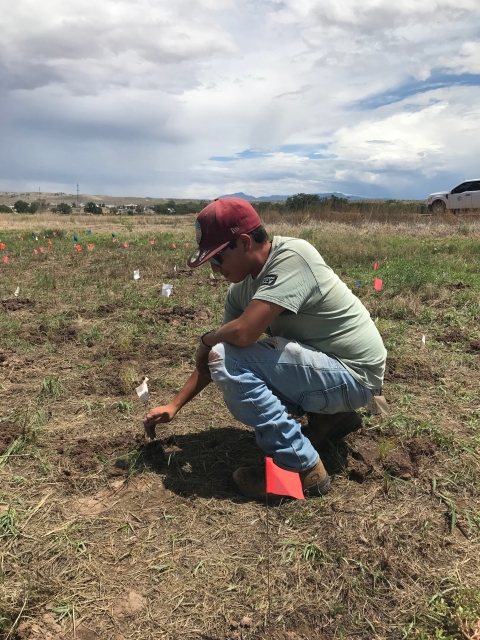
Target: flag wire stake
267 621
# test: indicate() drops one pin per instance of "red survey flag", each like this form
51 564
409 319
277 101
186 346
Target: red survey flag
5 258
377 284
48 248
49 241
375 266
78 247
2 246
281 482
90 246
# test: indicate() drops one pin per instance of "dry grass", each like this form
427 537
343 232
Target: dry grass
105 535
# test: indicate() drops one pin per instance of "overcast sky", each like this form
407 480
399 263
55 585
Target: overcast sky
198 98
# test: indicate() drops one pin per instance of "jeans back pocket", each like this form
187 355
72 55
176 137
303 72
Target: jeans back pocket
333 400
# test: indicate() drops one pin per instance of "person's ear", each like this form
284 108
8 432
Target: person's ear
245 241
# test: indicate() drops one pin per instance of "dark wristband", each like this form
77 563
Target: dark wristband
207 346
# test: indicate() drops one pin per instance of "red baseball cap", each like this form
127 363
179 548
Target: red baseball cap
220 222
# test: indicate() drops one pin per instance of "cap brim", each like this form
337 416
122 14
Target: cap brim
199 256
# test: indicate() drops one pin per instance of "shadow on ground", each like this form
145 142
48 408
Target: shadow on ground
201 464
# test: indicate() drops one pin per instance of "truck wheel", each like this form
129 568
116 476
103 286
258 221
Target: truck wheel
438 207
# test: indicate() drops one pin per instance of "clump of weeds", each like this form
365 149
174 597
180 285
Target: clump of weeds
51 389
128 379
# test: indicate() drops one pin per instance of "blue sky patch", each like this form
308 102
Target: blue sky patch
439 79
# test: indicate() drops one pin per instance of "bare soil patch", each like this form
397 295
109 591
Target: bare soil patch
411 371
365 457
180 316
15 304
8 433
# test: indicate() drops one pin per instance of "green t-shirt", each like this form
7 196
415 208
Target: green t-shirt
320 310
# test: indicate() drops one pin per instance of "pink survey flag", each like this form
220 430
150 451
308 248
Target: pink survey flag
152 241
281 482
41 249
35 251
375 266
186 244
377 284
125 245
5 258
114 240
174 246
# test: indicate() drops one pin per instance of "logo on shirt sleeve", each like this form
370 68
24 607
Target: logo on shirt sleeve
269 279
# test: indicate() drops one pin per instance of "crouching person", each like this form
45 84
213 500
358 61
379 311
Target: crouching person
324 357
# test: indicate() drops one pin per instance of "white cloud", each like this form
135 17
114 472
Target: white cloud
468 60
135 96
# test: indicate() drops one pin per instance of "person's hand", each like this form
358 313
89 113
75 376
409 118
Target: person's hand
156 416
201 361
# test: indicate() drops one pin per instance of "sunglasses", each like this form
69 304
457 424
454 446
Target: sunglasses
217 258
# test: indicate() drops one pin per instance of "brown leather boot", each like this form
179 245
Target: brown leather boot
251 482
315 481
333 427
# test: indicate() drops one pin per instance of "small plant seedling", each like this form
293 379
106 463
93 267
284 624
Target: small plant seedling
385 447
51 388
125 407
62 609
8 526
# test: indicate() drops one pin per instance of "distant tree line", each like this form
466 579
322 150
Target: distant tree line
172 208
21 206
310 202
298 203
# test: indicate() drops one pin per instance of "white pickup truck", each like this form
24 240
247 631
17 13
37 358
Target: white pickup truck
464 196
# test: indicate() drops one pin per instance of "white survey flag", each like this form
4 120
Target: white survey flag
142 390
167 290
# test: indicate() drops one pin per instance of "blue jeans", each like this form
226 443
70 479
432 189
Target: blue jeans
267 383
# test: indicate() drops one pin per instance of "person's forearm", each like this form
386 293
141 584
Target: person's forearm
192 387
231 332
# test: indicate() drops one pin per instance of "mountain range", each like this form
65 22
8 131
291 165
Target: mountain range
278 198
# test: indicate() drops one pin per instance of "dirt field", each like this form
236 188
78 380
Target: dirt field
104 535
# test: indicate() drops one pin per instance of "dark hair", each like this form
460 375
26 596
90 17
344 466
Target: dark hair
258 235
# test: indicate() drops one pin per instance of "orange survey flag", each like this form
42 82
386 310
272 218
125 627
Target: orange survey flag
281 482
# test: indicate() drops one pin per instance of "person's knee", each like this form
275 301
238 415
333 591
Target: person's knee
216 358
